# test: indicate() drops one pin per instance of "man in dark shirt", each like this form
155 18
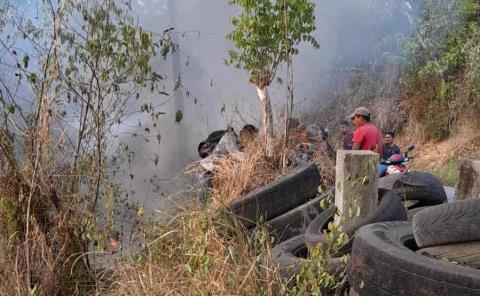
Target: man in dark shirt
389 148
347 135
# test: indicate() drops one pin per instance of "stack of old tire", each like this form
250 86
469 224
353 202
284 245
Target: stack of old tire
285 206
389 256
437 253
419 189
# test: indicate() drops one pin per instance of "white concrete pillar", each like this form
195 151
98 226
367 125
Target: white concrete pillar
356 185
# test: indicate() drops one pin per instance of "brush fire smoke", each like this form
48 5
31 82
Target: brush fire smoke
214 96
209 95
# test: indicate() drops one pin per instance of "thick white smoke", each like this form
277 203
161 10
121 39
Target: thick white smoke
214 95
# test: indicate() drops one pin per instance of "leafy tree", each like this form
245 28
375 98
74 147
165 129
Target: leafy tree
442 75
266 34
86 64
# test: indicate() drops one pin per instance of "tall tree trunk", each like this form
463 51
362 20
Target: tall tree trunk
267 119
182 141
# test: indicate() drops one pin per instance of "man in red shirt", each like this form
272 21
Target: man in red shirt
366 136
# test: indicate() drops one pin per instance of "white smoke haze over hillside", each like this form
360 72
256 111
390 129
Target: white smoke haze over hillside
213 95
347 31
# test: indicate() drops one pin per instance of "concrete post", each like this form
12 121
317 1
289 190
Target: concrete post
356 188
468 185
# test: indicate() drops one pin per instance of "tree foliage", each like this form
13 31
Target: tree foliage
69 76
266 34
443 69
264 30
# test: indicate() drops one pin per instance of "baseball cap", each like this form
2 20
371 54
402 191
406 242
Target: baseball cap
360 111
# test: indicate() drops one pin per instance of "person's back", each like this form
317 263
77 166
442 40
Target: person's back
206 147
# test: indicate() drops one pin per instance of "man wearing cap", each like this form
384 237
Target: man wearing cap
366 136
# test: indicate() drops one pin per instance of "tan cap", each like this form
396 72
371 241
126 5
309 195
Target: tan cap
360 111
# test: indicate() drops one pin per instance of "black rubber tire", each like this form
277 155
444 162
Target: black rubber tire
382 264
390 209
314 232
278 197
445 224
289 256
295 221
418 179
424 187
215 136
387 182
412 212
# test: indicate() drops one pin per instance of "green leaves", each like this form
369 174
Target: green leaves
178 116
10 108
442 72
32 78
265 31
26 59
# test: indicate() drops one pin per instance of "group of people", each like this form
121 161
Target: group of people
218 144
310 138
367 136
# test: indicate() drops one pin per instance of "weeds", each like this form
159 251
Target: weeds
326 166
441 77
324 273
448 174
85 61
208 252
200 253
235 176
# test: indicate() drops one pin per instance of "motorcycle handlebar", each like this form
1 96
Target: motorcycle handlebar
390 162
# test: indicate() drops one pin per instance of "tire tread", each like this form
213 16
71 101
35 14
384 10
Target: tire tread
448 223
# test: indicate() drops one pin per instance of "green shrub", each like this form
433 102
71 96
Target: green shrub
448 173
441 79
436 122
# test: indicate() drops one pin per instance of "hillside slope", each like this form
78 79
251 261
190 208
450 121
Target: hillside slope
441 158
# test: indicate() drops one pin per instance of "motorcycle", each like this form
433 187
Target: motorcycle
396 164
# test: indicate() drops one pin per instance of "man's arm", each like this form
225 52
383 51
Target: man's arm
356 146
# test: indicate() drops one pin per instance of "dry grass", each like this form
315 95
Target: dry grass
199 253
46 256
208 252
441 157
326 166
236 176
